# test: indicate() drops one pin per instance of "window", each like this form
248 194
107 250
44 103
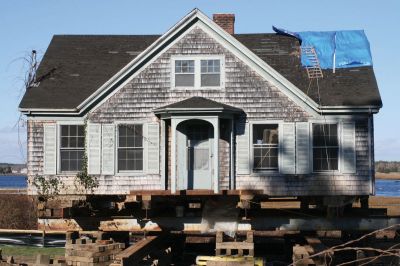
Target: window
184 73
130 148
265 146
72 148
210 73
198 72
325 147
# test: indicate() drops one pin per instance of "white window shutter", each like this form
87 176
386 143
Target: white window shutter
302 148
50 149
107 149
242 148
287 151
152 140
94 148
348 138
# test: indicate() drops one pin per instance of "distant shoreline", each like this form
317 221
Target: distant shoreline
13 174
388 176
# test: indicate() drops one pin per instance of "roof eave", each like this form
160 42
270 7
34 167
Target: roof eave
372 109
196 110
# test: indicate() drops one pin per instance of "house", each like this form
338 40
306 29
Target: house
200 108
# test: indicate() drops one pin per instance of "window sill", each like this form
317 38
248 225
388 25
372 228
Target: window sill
196 88
131 173
265 173
334 172
68 173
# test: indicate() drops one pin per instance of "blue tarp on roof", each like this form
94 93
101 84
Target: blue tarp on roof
350 47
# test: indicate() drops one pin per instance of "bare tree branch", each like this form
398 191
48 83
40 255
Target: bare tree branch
343 247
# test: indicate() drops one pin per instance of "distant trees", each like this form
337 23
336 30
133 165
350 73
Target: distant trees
387 167
5 170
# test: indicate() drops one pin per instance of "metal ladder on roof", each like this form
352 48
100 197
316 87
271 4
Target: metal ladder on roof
314 70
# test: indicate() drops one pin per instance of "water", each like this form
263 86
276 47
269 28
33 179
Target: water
13 181
32 240
389 188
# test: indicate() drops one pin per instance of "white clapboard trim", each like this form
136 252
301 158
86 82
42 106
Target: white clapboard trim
50 149
348 148
108 150
287 151
302 148
152 140
242 148
94 148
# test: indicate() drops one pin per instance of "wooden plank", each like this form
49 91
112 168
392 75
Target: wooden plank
301 256
234 245
196 192
135 253
315 246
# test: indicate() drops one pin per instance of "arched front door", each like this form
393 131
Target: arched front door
195 152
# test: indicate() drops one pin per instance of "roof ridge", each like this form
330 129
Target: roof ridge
106 35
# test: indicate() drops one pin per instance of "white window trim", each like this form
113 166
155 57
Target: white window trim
197 71
339 130
58 134
116 146
265 172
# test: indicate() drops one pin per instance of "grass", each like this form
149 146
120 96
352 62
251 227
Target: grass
8 250
387 175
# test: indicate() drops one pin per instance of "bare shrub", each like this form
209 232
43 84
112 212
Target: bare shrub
18 212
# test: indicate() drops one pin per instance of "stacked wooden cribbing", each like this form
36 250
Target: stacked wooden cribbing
84 252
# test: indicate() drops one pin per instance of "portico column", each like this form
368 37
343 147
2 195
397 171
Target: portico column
173 155
216 154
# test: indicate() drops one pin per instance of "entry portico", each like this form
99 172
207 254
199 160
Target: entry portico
195 132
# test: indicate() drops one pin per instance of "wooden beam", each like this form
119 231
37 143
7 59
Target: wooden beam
134 254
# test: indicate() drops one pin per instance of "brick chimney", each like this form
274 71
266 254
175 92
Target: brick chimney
225 21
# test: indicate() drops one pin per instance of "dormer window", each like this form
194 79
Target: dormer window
184 73
197 72
210 73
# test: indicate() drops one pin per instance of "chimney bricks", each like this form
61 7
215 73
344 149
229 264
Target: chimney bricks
225 21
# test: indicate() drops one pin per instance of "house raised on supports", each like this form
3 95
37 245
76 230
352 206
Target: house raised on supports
200 110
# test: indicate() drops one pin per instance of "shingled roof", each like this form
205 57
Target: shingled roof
75 66
198 103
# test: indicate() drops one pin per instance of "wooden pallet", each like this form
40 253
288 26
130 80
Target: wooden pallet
245 248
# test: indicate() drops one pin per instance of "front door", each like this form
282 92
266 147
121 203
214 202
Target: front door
198 154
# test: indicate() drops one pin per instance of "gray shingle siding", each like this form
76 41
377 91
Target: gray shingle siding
244 89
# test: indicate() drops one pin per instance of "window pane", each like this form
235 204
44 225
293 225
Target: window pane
73 142
81 131
72 160
265 134
81 141
64 142
325 135
184 80
325 159
325 147
64 130
265 146
210 80
184 66
73 130
130 151
210 66
265 157
130 159
72 136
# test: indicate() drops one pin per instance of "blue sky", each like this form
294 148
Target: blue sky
27 25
